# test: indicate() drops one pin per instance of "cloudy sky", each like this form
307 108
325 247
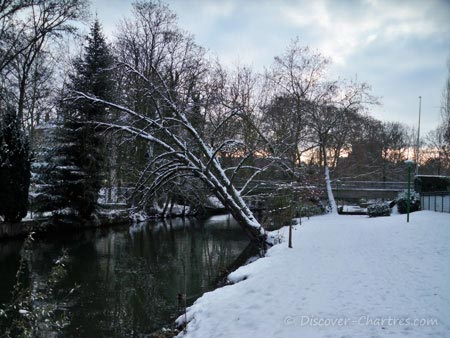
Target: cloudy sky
400 48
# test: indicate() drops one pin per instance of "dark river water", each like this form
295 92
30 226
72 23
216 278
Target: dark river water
129 278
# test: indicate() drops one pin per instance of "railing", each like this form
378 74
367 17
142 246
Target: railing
369 185
336 184
435 201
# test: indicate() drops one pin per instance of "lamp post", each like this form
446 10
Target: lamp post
409 163
418 137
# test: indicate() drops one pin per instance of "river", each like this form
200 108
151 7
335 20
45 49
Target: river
129 278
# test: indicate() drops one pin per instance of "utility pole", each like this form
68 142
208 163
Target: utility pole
409 164
418 138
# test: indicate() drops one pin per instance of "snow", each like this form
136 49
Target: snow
139 216
214 202
180 210
353 208
219 218
347 276
177 210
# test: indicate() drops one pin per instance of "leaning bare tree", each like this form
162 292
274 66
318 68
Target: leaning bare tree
184 152
182 107
194 118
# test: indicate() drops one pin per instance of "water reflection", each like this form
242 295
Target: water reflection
130 277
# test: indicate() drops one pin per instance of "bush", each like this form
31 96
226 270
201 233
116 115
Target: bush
379 209
402 204
309 210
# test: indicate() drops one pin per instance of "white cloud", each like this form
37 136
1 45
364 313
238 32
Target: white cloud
340 33
215 9
307 13
371 38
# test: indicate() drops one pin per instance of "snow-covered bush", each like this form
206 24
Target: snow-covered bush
379 209
139 216
309 210
402 199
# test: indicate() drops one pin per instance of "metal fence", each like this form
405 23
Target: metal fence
435 201
370 185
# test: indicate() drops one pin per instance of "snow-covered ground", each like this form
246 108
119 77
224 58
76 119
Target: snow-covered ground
347 276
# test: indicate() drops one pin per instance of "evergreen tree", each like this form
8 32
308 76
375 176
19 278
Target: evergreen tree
72 172
45 176
56 173
14 168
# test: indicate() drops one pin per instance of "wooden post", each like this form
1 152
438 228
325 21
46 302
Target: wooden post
290 235
408 202
291 217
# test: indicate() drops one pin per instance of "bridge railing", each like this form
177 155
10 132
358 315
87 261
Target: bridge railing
369 185
259 187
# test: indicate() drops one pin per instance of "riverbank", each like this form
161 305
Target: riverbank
347 276
107 218
38 226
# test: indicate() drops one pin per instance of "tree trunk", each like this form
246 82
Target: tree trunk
330 195
233 201
166 205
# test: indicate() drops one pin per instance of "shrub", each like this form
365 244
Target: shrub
379 209
402 204
309 210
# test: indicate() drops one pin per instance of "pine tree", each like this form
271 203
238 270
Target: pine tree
44 199
14 168
55 172
72 174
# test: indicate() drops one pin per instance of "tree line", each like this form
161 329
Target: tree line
152 110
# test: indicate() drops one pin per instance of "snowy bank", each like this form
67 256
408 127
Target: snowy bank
40 225
347 276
